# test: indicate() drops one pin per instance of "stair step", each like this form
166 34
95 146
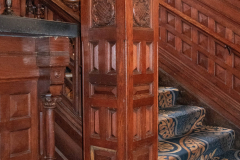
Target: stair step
167 97
230 155
201 144
179 121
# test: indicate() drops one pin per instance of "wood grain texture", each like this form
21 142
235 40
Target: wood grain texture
120 87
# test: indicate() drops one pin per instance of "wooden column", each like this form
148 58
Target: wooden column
52 59
120 79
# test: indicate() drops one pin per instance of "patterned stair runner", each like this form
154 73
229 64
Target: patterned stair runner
179 120
182 136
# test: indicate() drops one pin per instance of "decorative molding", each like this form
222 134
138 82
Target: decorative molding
141 13
73 4
50 101
103 13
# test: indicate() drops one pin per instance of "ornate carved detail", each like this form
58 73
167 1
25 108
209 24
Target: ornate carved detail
73 4
141 13
8 8
30 9
103 12
40 11
49 101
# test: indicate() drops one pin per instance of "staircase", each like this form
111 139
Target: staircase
182 135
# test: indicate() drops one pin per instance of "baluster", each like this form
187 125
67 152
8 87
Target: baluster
8 8
30 9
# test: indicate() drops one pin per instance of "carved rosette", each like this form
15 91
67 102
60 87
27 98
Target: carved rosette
103 13
141 13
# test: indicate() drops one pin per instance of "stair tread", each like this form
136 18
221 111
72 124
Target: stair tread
167 97
201 144
179 120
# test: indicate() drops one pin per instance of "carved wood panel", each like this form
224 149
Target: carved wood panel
120 83
199 51
18 109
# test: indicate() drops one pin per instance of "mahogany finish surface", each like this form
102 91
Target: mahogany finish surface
120 79
200 49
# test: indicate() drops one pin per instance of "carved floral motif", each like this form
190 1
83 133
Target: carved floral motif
103 12
50 101
141 13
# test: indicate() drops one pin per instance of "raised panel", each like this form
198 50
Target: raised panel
94 53
19 106
136 124
202 60
186 30
187 50
103 90
137 57
220 52
111 58
99 153
220 29
95 122
236 39
236 83
143 153
186 9
236 61
149 121
142 90
171 39
112 124
203 19
149 56
220 72
171 2
171 19
19 142
203 40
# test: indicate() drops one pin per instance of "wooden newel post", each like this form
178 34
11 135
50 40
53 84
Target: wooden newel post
49 105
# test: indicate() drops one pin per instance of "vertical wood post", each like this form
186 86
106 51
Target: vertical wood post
120 79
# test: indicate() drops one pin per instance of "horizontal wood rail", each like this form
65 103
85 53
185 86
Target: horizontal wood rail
200 26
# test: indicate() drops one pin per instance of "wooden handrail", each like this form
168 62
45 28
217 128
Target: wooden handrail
201 27
63 10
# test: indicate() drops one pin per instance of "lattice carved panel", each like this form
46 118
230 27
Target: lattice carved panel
202 60
171 39
186 30
220 52
186 49
220 29
103 13
236 61
203 40
171 2
236 83
171 19
141 13
186 9
220 72
203 19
